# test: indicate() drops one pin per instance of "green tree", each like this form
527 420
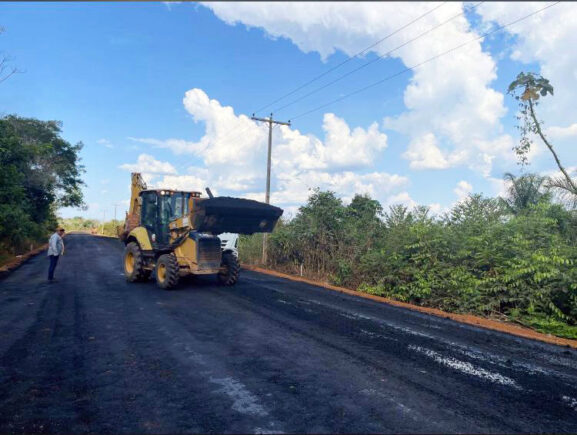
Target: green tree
527 89
514 257
525 191
40 172
319 226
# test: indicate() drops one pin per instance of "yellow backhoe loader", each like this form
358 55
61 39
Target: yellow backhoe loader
170 234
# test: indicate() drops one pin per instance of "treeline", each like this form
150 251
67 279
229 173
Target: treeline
512 257
40 172
93 226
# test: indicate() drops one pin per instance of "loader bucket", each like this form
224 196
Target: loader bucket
234 215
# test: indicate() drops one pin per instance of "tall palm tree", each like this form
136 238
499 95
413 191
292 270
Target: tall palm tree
525 191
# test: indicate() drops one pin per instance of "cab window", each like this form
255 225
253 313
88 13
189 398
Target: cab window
149 210
177 205
166 210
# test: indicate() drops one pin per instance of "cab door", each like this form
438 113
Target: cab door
150 217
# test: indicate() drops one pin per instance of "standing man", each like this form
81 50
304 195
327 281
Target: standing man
55 250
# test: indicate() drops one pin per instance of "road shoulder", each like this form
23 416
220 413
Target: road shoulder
468 319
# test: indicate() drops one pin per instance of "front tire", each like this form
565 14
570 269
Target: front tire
229 276
134 263
166 271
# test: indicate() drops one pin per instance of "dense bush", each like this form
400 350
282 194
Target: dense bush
40 172
514 256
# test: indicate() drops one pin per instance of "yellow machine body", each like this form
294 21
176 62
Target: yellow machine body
187 254
174 233
141 237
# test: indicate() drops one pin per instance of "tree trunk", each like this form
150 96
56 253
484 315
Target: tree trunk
561 168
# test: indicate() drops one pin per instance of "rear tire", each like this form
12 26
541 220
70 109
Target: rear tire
230 275
167 271
134 263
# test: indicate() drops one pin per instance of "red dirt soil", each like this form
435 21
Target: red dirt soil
17 261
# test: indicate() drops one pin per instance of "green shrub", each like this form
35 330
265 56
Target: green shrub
485 256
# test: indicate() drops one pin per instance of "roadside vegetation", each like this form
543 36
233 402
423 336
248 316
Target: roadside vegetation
513 258
92 226
40 173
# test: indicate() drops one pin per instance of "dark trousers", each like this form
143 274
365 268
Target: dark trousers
53 263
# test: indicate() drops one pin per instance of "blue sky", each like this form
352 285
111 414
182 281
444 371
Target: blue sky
116 75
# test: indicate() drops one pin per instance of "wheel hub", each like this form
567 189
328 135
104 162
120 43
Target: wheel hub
129 262
161 272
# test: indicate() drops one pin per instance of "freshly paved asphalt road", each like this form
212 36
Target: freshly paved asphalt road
93 353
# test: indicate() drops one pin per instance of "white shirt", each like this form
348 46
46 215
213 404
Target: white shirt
55 245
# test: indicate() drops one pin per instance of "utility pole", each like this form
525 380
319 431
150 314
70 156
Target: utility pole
115 205
270 123
103 220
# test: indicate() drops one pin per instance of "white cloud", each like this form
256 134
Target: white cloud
233 150
463 190
181 182
436 209
290 211
402 198
548 38
449 98
556 173
296 187
236 140
229 139
344 148
424 153
148 179
498 185
562 132
148 165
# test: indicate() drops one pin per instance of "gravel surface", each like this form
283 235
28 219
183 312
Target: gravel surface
93 353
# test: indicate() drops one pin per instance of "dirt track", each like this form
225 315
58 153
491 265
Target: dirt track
93 353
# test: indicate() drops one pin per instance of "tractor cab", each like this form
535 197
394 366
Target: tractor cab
159 209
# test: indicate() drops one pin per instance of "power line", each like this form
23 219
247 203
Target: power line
421 63
314 79
228 133
406 69
342 63
314 91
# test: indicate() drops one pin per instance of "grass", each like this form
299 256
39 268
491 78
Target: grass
548 325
